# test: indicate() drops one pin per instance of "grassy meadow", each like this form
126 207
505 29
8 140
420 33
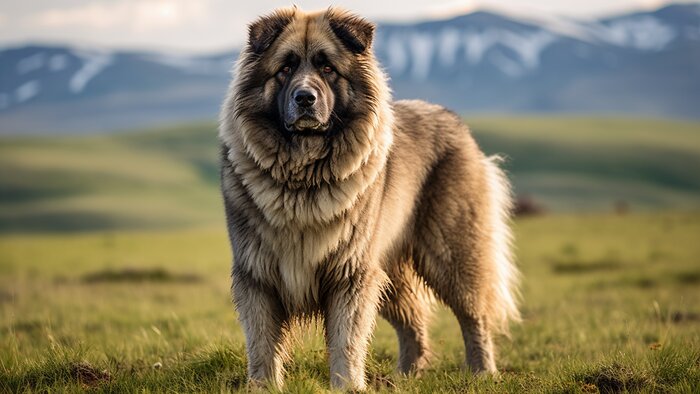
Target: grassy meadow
114 266
169 177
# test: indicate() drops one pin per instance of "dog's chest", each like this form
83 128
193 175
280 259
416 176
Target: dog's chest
298 280
301 253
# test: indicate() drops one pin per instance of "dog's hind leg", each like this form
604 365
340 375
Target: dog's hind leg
461 292
462 251
408 308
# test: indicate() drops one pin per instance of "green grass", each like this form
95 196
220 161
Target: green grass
582 164
167 178
114 266
158 178
610 304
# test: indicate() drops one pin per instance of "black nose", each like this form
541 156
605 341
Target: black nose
304 97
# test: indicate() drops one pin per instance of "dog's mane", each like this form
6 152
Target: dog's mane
302 178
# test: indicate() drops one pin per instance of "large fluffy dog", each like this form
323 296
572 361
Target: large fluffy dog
341 203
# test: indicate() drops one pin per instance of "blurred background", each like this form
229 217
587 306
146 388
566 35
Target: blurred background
594 102
112 227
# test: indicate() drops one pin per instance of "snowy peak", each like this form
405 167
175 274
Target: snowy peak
516 46
643 63
422 51
93 62
37 74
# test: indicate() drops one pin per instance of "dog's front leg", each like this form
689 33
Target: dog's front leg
350 315
265 325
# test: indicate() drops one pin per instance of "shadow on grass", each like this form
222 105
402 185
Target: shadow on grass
380 370
138 275
59 369
688 278
615 378
224 365
6 296
633 279
221 367
30 327
66 222
679 317
579 267
643 283
666 369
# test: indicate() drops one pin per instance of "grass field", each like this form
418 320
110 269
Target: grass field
114 266
583 164
169 177
610 304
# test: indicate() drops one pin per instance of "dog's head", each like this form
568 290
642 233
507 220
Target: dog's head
309 103
308 68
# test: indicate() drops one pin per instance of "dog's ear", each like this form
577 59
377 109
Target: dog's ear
265 30
354 32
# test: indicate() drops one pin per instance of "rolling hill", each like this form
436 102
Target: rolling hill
168 177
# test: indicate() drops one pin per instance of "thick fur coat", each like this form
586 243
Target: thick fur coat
358 206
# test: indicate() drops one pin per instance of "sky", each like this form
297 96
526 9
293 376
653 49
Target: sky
207 26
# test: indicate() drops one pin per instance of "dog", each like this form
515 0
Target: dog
343 204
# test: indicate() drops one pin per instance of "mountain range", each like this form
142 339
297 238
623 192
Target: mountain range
642 64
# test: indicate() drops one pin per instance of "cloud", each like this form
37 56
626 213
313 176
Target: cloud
142 15
213 25
450 8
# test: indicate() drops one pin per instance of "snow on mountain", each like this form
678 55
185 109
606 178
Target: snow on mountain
31 63
639 32
644 62
416 50
93 63
27 90
450 46
58 62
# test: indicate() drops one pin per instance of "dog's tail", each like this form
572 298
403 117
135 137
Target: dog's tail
505 294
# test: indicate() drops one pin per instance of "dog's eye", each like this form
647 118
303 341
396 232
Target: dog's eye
327 69
285 70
